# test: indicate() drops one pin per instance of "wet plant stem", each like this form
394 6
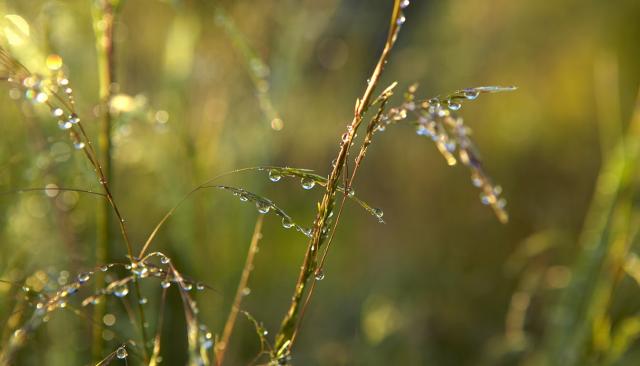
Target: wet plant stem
285 337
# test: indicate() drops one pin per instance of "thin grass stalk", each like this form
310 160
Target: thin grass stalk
284 338
223 344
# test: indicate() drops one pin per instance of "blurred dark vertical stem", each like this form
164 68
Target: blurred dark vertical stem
103 19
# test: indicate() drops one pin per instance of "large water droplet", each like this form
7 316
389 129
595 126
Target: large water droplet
84 277
307 183
263 207
287 223
121 290
57 112
471 94
64 125
121 353
274 175
454 106
378 213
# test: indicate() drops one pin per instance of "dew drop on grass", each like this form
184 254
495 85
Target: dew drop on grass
143 300
471 94
200 286
454 106
307 183
404 4
263 207
246 291
64 125
319 275
79 145
165 284
57 112
485 199
121 290
422 131
84 277
274 176
401 19
378 212
73 118
164 259
121 353
287 223
187 286
243 198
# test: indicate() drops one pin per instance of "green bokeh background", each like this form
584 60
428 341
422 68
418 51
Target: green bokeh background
432 286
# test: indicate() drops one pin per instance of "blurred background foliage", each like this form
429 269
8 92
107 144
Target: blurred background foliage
207 87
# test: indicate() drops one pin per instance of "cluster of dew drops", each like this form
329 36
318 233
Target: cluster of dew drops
436 119
53 90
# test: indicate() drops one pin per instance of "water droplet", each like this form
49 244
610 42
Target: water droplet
497 190
454 106
401 19
404 4
84 277
263 207
121 353
186 285
350 194
57 112
200 286
287 223
485 199
143 300
423 131
477 181
378 213
64 125
307 183
79 145
164 259
306 232
42 97
243 198
104 268
450 146
471 94
319 275
410 106
63 81
140 269
73 118
502 203
246 291
165 284
121 290
274 175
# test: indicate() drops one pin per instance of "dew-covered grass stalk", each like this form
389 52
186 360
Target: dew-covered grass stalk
285 337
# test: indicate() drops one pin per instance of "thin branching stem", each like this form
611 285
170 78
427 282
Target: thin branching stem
284 338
